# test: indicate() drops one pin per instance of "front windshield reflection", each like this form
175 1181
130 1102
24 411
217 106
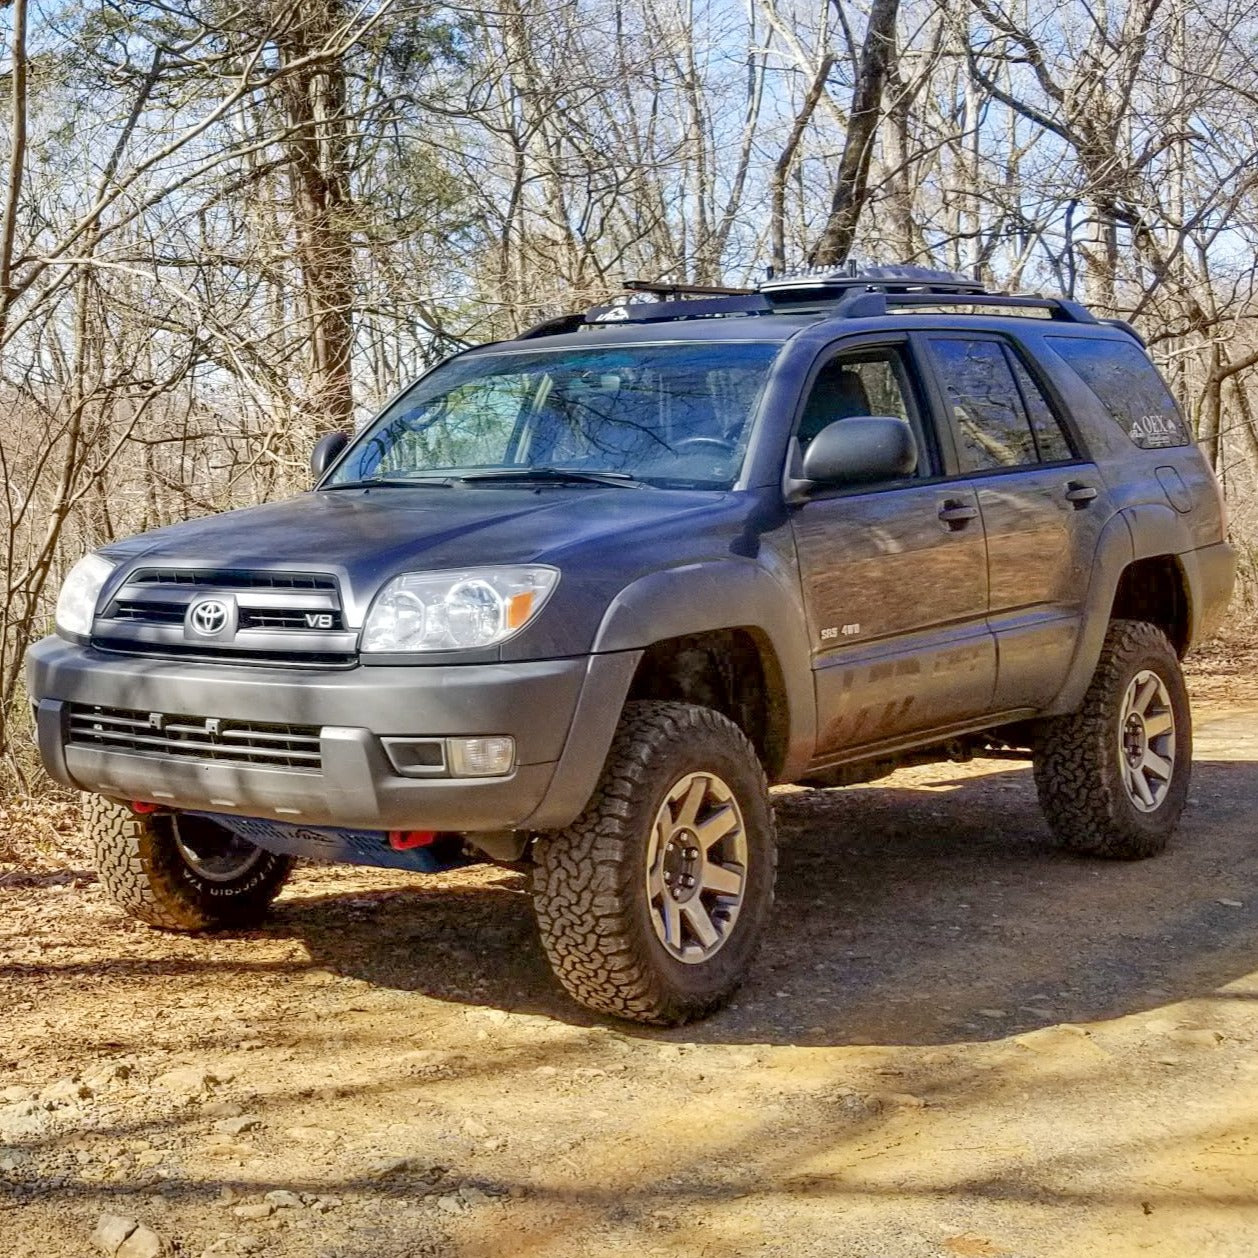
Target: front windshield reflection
673 415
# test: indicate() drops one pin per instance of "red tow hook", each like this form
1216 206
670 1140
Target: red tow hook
141 807
404 840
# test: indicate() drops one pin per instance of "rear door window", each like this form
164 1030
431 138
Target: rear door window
1001 418
1128 386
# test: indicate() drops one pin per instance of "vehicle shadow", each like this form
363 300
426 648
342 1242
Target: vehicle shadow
925 913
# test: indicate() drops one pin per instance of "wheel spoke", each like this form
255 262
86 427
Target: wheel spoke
700 922
655 882
1140 782
1144 694
1158 724
1159 766
694 798
723 879
672 922
722 822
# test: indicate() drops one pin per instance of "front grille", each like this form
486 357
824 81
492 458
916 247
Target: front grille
148 613
233 579
286 618
271 617
195 737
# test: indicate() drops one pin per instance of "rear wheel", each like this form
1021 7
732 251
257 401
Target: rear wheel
1113 777
181 872
652 904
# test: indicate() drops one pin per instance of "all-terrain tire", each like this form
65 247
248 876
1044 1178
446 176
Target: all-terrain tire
590 882
141 866
1079 758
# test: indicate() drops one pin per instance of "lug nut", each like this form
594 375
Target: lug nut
692 853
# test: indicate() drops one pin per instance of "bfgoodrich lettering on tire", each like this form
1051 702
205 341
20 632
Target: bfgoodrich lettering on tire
179 872
1113 777
652 903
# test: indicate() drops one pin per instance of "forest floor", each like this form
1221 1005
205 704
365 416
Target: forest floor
956 1041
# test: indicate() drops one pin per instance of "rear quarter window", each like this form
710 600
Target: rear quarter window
1127 384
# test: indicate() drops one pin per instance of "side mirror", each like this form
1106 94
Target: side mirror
327 450
861 450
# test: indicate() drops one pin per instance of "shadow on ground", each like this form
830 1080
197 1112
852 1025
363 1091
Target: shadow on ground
916 914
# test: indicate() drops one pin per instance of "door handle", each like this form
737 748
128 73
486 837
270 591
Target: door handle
1080 494
956 515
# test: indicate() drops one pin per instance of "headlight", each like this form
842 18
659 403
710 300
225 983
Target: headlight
450 611
76 604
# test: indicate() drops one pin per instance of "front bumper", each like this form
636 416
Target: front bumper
562 714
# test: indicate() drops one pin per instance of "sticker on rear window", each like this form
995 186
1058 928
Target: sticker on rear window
1126 383
1155 431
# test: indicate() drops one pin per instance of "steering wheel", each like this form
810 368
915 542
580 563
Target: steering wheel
718 445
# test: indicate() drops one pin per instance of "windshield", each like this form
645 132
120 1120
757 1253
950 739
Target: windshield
669 415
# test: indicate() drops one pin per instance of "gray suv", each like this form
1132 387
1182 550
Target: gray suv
573 601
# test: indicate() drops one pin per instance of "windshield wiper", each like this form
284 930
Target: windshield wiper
557 475
391 482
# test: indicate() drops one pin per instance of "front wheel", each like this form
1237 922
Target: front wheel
1113 777
652 903
181 872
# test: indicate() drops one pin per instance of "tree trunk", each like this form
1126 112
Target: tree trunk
17 159
851 190
318 147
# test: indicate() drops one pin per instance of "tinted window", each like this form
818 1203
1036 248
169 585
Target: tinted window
670 415
992 426
1050 440
1129 387
861 382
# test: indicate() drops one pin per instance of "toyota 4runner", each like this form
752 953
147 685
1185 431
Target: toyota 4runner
574 600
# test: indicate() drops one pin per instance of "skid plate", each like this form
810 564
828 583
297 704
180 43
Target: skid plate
350 847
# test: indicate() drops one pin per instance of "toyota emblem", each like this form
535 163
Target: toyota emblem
208 617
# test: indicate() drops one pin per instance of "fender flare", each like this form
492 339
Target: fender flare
1145 531
727 594
1115 550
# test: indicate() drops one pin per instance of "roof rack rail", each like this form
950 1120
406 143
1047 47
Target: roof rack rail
873 302
663 288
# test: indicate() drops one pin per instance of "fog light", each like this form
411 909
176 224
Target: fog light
481 757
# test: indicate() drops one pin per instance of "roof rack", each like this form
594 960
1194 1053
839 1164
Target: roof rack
871 303
869 292
835 293
921 279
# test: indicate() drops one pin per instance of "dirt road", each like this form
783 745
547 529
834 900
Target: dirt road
956 1042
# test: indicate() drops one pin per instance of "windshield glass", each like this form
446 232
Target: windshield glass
669 415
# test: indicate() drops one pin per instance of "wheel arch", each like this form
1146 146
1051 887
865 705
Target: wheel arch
1138 573
715 609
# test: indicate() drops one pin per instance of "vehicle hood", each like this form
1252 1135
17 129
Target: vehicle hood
366 537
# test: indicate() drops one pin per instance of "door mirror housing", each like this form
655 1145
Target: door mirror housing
861 450
327 450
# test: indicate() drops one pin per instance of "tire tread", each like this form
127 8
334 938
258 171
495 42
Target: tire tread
584 896
1081 797
147 888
